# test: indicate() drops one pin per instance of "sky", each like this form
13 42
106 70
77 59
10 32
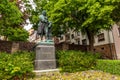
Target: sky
29 26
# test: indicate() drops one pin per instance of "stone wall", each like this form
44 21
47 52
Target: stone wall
9 46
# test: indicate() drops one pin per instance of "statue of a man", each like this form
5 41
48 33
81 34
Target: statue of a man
44 26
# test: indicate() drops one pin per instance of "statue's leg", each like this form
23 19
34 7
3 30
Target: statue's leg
41 37
42 33
46 33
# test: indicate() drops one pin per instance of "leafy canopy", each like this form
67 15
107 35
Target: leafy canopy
92 15
11 21
17 34
10 14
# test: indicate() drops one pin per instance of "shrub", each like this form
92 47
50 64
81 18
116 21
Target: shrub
72 61
17 65
110 66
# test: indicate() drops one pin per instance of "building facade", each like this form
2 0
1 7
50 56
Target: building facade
107 42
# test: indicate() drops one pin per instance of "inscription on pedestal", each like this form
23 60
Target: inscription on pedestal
45 57
43 65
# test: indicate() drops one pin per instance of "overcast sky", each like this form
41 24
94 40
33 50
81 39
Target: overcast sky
28 26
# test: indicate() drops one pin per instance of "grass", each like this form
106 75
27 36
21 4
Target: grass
109 66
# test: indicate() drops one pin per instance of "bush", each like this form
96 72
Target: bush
16 66
110 66
72 61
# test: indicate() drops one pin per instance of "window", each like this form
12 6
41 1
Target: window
72 36
78 33
84 42
101 37
67 37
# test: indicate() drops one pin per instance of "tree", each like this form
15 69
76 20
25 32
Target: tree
12 20
10 16
116 13
17 34
89 16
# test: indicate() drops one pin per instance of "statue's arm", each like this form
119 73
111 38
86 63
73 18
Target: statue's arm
42 18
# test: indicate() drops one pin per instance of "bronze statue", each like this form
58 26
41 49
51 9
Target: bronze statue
44 27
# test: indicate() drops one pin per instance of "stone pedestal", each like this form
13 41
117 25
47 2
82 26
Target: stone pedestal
45 57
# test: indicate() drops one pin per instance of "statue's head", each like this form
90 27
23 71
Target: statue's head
44 12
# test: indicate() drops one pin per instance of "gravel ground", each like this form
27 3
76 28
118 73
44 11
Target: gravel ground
84 75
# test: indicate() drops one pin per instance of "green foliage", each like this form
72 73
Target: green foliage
34 18
93 15
19 65
72 61
89 16
115 14
16 34
11 16
110 66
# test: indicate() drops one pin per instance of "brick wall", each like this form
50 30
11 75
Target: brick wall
66 46
5 46
26 46
107 50
9 46
78 47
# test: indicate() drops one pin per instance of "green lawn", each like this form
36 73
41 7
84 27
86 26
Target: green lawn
109 66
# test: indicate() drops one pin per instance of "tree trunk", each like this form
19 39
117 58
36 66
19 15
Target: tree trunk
90 35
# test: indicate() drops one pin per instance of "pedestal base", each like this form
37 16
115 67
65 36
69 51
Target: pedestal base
45 57
39 73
